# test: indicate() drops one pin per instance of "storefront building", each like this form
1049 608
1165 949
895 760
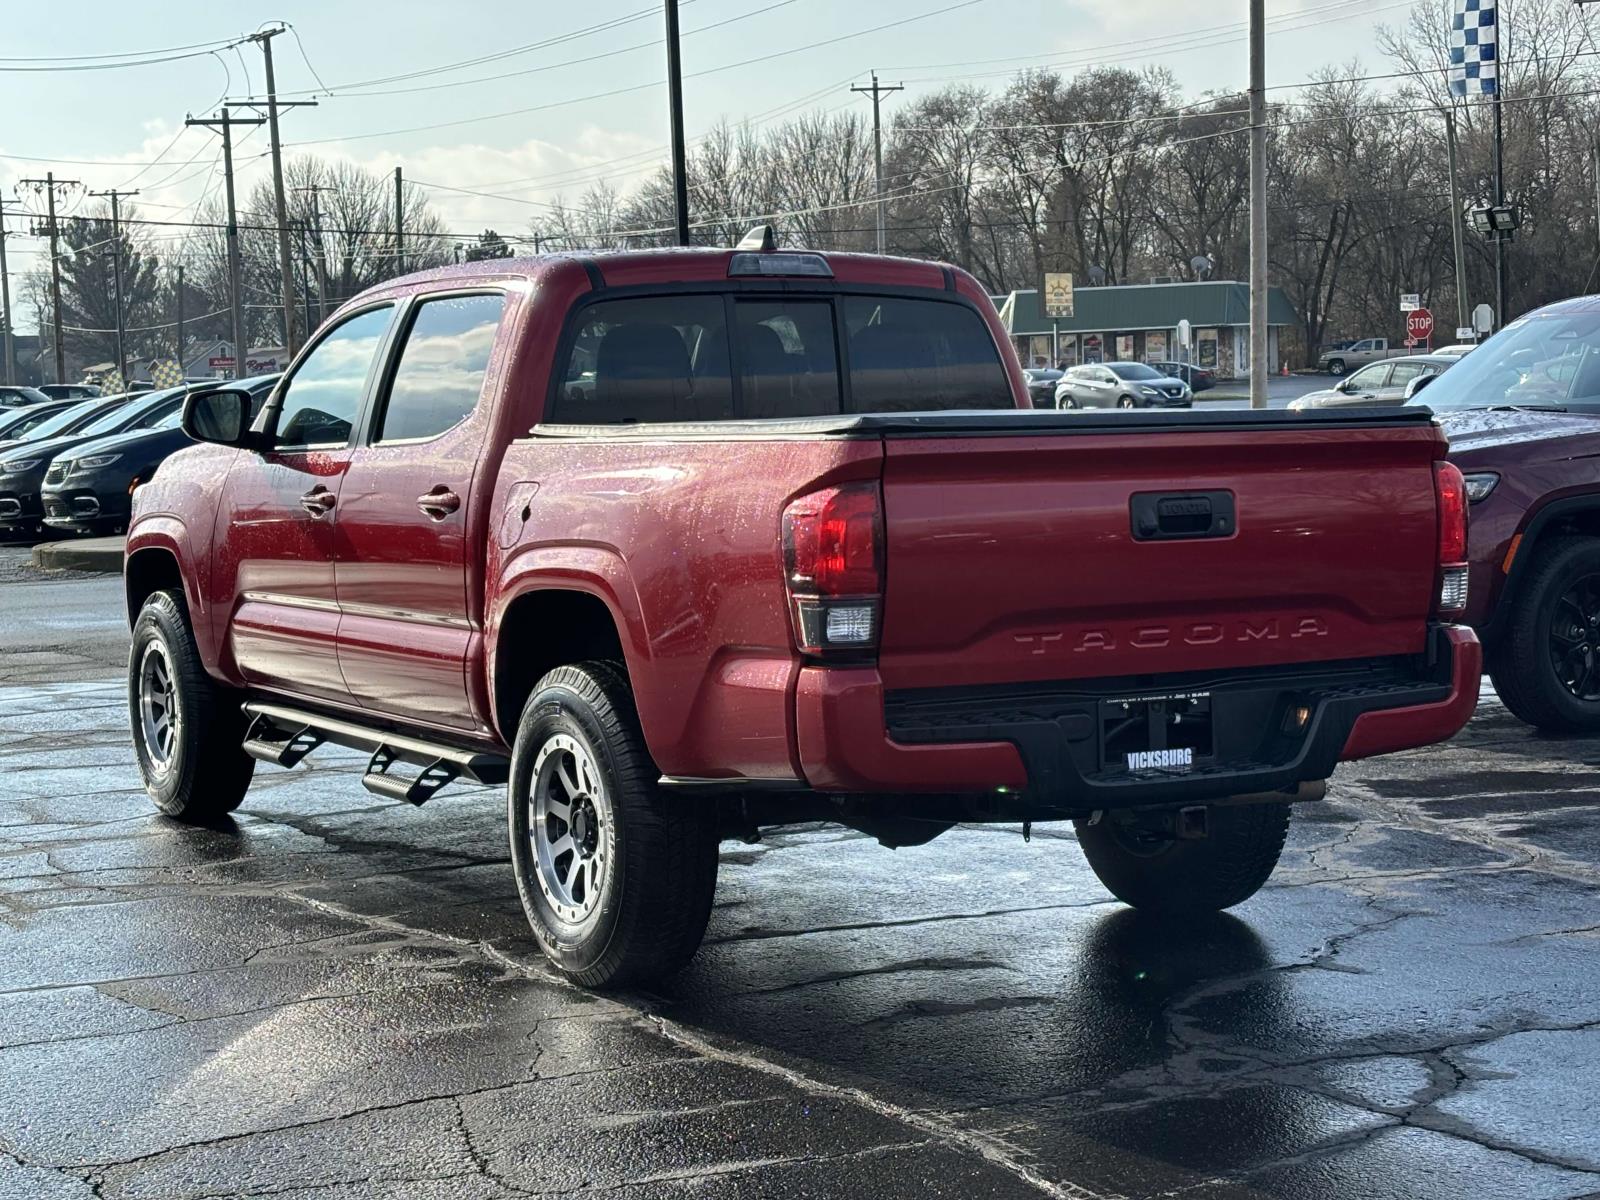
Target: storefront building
1140 322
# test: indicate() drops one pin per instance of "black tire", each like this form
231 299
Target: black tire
1175 876
197 771
1127 402
657 855
1336 366
1066 402
1522 665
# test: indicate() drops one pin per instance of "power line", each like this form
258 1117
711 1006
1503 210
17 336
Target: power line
622 91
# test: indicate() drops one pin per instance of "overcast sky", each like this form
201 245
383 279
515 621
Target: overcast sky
557 132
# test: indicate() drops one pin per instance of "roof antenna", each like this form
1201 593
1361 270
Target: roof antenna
761 239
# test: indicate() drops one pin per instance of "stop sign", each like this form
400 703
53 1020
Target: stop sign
1419 324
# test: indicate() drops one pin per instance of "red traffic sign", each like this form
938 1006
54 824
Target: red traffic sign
1419 324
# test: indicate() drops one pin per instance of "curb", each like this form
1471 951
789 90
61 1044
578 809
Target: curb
84 554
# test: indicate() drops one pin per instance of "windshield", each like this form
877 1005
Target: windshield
1541 361
135 415
62 421
1135 371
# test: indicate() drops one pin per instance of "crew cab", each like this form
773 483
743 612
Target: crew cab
680 545
1338 360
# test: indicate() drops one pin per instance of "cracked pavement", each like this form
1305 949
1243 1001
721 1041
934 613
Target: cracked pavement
337 995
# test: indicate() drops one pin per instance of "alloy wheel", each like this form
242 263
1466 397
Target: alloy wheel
570 825
160 715
1575 638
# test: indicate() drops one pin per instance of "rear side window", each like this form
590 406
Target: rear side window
660 358
917 355
442 365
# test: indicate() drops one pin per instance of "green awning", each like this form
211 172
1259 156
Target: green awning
1125 309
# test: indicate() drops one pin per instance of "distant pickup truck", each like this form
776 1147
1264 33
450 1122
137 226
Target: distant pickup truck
1343 358
683 544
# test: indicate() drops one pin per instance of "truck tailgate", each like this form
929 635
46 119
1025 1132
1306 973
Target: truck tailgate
1134 547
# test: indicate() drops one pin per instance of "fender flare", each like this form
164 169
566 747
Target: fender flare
1531 529
599 571
168 534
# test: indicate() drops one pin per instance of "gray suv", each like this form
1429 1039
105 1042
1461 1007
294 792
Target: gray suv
1121 385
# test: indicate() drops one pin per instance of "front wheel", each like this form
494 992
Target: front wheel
1336 367
1066 402
1546 668
615 878
188 729
1127 402
1145 865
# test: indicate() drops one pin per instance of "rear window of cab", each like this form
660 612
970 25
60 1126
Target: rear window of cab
717 357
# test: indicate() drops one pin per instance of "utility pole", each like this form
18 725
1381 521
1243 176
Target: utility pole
1499 168
50 183
285 271
320 265
1258 204
116 272
877 92
305 275
680 176
225 121
10 369
1456 234
399 223
183 362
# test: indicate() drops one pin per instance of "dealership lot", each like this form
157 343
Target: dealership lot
337 995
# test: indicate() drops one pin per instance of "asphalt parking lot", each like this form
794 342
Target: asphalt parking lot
336 996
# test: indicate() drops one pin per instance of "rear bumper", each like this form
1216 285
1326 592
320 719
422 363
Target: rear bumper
1042 740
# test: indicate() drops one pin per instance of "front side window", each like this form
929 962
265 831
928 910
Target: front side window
322 397
442 365
921 355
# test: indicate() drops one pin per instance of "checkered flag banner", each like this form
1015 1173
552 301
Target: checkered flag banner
1474 48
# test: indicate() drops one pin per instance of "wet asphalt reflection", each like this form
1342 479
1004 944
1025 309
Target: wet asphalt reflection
336 996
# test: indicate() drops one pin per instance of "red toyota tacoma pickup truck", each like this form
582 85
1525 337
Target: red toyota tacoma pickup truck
678 545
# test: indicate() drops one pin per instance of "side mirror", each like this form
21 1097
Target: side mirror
1417 384
1343 385
220 416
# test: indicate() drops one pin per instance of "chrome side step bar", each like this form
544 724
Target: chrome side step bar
283 735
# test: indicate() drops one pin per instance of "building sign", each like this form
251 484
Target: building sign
1057 293
1093 348
1155 346
1206 348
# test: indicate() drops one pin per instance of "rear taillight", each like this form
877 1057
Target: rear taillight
1450 494
833 565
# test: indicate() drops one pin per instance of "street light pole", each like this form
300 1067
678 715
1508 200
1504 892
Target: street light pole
1258 205
225 121
680 180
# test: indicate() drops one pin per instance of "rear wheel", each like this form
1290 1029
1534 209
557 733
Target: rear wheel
616 879
1143 863
1547 666
1127 402
188 729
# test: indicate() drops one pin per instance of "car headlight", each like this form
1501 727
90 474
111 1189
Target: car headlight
1148 390
1480 485
18 465
95 461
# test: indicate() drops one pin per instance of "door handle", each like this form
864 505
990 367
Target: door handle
439 503
319 501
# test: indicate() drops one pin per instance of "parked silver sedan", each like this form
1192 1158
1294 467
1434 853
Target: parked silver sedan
1376 384
1121 385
